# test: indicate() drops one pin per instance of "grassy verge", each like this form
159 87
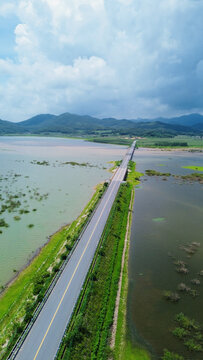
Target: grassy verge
115 164
19 301
87 337
89 333
115 140
123 348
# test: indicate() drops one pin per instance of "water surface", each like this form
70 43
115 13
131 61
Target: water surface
155 245
57 191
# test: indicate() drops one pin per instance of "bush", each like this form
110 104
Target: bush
68 247
192 345
18 328
180 332
186 323
171 356
56 268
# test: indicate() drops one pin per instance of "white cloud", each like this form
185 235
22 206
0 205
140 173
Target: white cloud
104 57
7 8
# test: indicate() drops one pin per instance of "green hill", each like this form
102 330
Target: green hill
77 125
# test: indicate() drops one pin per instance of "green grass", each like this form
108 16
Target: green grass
134 353
133 175
192 142
123 349
15 299
196 168
115 140
91 325
115 165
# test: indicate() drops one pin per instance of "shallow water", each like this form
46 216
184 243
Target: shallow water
69 188
155 245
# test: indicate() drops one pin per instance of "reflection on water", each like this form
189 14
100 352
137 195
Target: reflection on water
58 192
156 245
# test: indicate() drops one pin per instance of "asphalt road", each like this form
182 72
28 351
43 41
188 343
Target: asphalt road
46 334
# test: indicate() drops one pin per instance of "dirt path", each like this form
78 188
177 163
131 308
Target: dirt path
115 320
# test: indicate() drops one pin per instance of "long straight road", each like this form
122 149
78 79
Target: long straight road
46 334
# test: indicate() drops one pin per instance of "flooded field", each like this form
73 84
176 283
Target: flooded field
166 257
44 184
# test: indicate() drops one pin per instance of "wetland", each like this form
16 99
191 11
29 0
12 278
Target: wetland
165 298
44 184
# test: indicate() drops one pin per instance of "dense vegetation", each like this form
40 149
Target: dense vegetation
87 336
74 125
180 141
172 143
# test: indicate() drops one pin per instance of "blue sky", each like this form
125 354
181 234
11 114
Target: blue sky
121 58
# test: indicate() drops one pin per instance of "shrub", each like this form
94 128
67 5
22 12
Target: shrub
56 268
68 247
185 322
192 345
171 356
180 332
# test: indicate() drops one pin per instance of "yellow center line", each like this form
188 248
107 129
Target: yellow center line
45 335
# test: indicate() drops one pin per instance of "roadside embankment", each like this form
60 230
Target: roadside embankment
120 345
19 301
98 327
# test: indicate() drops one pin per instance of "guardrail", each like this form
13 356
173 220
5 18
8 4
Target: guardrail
39 308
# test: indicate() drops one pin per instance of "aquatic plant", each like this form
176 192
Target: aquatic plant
186 323
180 263
190 249
193 292
198 168
74 163
23 211
171 356
17 218
193 177
171 296
196 244
158 219
182 270
183 287
192 345
30 226
3 223
42 163
195 282
150 172
180 332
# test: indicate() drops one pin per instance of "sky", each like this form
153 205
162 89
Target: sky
105 58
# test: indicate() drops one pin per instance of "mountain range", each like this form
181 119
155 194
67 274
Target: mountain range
83 125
